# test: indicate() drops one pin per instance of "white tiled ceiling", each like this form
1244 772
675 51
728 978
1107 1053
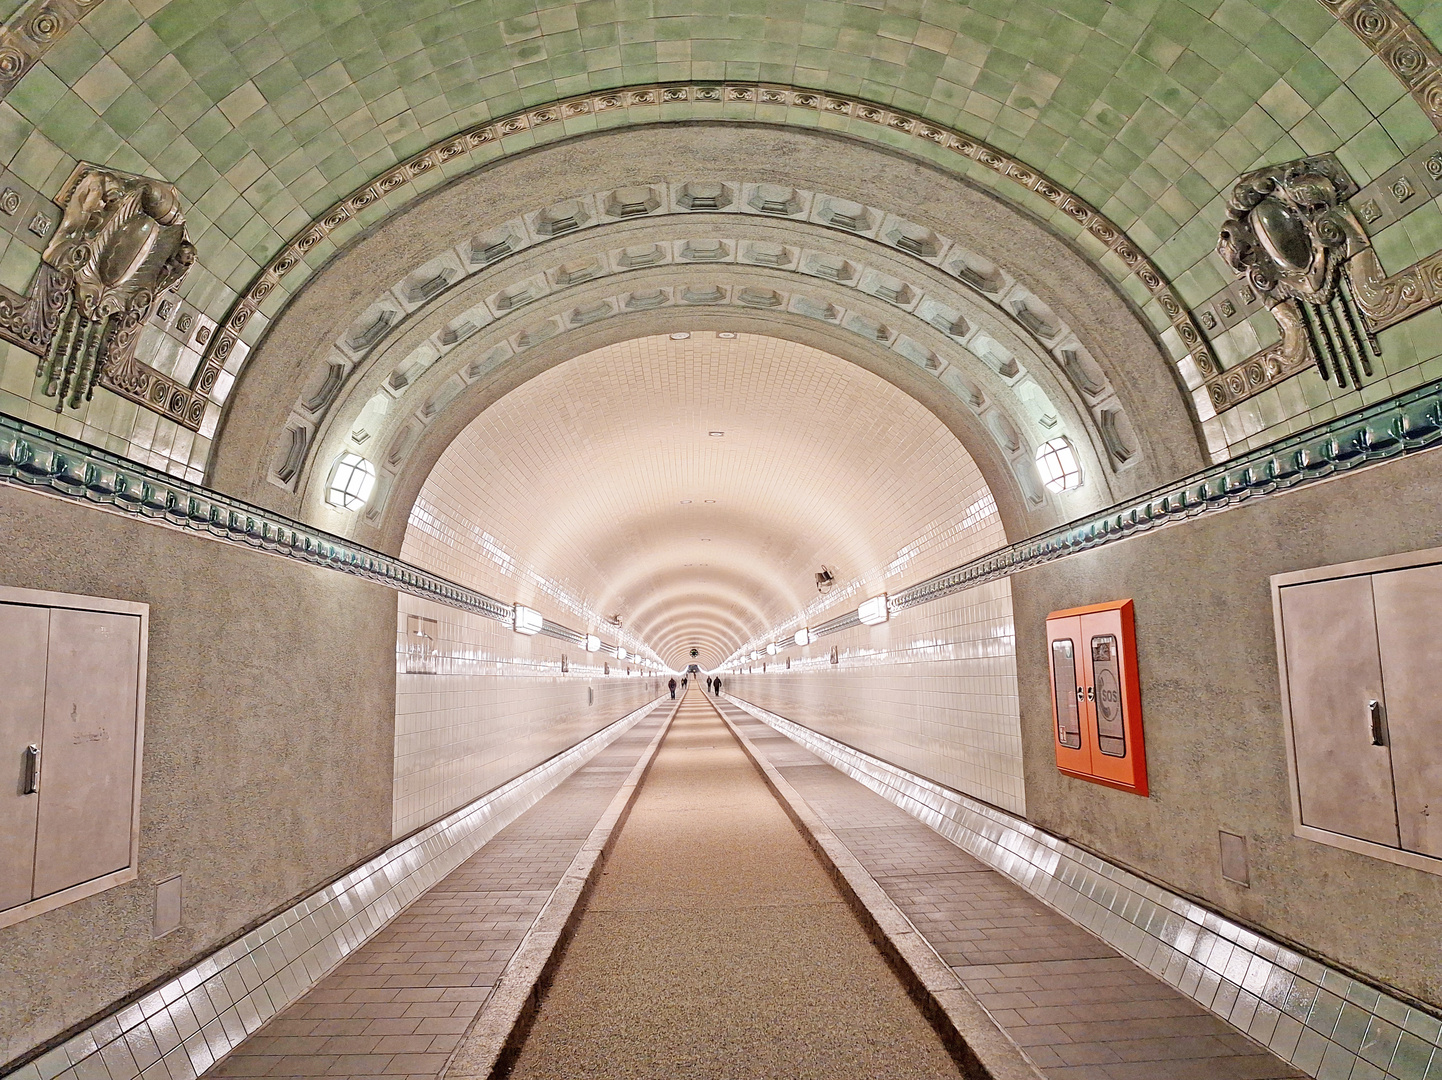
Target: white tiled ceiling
597 489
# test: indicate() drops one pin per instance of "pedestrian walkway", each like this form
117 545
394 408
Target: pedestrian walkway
1078 1008
715 945
399 1005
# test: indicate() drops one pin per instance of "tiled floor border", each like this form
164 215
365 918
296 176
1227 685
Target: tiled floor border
182 1028
1317 1018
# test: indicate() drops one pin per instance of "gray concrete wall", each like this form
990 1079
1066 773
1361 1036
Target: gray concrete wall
268 747
1211 703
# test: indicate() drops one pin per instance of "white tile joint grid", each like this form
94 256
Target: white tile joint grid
184 1027
1317 1018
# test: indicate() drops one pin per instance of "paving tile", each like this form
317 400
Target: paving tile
399 1005
1081 1010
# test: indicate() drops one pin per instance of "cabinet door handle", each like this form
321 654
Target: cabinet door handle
1379 730
32 770
1080 694
1091 693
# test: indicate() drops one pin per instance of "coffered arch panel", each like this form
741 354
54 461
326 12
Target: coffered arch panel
291 362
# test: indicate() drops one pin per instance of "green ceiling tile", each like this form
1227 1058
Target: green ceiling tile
74 55
164 80
36 93
129 111
111 22
176 158
1424 226
19 267
1369 153
1375 86
1314 135
1407 125
180 20
1284 104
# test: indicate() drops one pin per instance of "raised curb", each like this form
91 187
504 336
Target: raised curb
980 1046
493 1041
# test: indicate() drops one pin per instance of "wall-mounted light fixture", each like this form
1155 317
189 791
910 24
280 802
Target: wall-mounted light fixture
803 636
873 612
593 643
527 621
352 479
824 580
1057 465
772 650
620 653
680 336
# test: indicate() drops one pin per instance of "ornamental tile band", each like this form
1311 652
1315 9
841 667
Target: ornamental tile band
1107 232
1407 424
1400 44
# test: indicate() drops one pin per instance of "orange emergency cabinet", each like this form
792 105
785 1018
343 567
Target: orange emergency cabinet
1096 696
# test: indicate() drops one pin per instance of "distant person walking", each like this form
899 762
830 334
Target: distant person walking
709 682
718 684
672 685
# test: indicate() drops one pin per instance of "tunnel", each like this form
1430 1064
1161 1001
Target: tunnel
720 540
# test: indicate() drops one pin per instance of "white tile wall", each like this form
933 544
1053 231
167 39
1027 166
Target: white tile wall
496 705
1315 1017
179 1030
933 690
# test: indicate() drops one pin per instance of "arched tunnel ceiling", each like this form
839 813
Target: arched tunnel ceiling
272 117
1003 331
597 489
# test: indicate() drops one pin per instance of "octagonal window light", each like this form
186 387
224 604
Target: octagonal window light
527 621
772 650
352 479
593 643
803 636
1057 464
873 612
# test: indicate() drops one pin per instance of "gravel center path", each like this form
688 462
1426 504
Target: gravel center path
715 946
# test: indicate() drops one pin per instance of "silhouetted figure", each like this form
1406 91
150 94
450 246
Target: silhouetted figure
672 685
709 683
718 684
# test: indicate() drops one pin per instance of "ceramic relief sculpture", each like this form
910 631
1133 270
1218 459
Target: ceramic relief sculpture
120 243
1291 234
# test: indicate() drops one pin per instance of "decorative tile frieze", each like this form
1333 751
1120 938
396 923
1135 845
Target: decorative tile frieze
494 133
1408 53
915 298
1407 424
1387 300
32 32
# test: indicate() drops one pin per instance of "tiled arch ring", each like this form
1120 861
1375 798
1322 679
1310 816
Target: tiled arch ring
980 163
972 324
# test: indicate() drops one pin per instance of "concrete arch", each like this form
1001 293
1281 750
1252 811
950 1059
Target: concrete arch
1045 265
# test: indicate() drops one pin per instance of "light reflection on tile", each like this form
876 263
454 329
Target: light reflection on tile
1190 947
178 1030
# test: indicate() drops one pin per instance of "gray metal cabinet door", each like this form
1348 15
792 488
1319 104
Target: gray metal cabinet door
1333 671
1407 631
24 634
89 765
